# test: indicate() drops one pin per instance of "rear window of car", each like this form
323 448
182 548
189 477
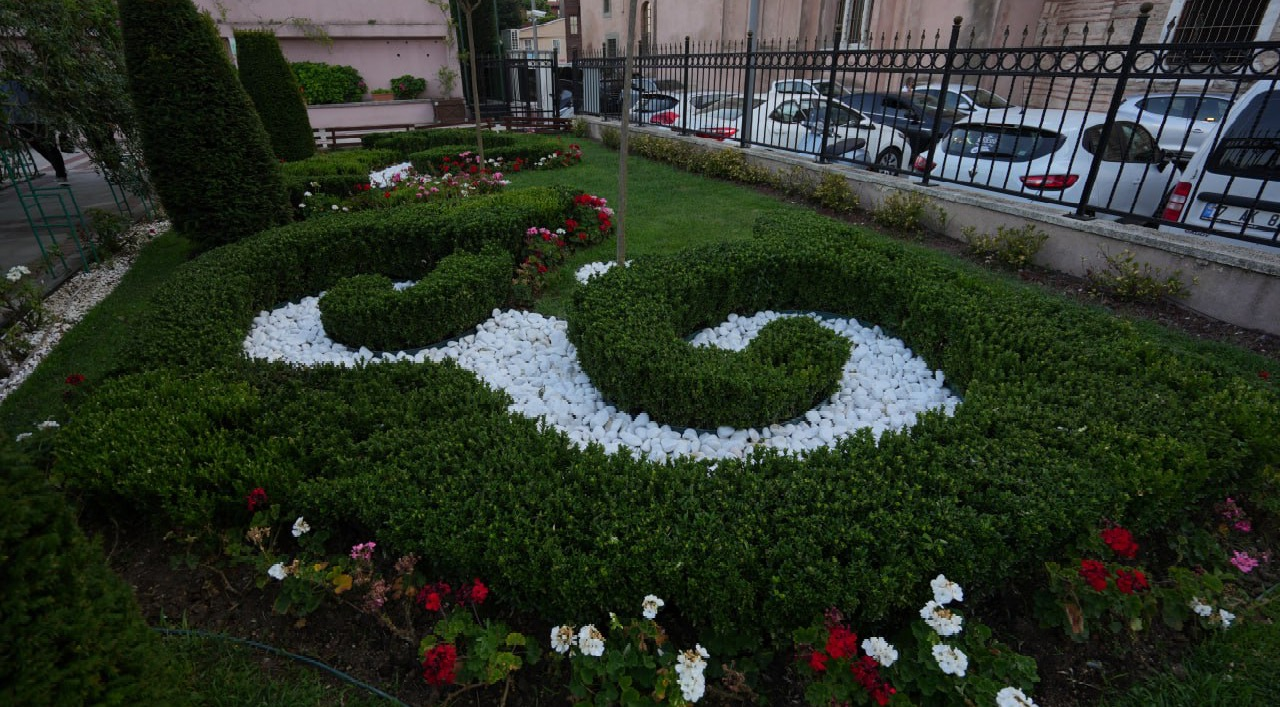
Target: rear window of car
986 99
1008 143
1250 147
1128 142
655 103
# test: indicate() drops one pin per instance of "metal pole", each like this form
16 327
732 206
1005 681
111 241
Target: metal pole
942 96
534 17
1117 97
628 63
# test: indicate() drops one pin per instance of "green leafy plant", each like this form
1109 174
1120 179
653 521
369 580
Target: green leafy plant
109 228
21 313
833 192
1126 278
447 77
462 650
1009 246
326 84
634 665
906 211
408 86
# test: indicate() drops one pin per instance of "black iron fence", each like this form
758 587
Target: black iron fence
520 83
1102 123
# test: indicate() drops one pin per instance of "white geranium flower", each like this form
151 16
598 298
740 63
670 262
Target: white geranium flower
689 666
48 425
591 641
563 638
880 650
952 661
13 275
300 527
302 206
651 605
1201 608
277 571
942 620
1227 617
1013 697
945 591
306 193
21 436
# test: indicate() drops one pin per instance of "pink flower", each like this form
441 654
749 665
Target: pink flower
1243 526
1243 561
363 551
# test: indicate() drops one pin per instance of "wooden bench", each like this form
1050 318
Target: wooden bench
537 123
335 138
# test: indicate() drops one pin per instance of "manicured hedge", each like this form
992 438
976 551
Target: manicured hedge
70 630
337 173
527 148
272 86
206 150
201 315
461 292
1069 416
408 142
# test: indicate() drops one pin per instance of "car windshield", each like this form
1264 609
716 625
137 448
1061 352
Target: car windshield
931 99
839 115
984 98
1009 143
832 89
729 103
1251 146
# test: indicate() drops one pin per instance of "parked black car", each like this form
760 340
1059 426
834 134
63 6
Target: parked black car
898 111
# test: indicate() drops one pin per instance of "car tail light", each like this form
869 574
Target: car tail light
717 133
666 117
1048 182
921 165
1177 200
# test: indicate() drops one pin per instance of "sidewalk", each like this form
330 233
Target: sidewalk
18 245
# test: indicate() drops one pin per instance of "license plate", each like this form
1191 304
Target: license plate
1241 216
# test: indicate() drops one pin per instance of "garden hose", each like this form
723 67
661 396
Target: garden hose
277 651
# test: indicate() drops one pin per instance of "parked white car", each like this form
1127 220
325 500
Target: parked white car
959 97
1046 155
795 122
1180 121
675 109
1232 184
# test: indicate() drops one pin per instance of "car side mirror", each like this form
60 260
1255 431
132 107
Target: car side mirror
1165 159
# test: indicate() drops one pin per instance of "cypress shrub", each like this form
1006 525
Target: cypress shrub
70 630
275 93
205 147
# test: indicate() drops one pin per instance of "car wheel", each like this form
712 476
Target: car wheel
889 161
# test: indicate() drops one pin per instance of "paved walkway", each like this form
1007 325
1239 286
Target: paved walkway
18 245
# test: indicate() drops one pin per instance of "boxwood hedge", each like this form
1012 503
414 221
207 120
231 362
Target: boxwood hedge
527 148
1069 415
407 142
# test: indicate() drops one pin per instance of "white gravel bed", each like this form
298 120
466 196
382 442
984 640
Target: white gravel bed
72 301
527 355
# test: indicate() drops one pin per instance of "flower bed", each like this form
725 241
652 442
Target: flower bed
1069 416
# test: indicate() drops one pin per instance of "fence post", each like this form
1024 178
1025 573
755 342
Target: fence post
1117 96
827 103
684 79
748 92
942 97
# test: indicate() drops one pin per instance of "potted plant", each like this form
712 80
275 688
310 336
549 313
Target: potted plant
408 87
449 109
382 94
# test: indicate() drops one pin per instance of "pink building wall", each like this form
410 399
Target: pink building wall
382 39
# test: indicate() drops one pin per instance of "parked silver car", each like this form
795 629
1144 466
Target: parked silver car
1180 121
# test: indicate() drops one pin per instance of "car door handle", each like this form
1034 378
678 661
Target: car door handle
1197 130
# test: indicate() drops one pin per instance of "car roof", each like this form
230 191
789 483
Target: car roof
1057 119
1179 94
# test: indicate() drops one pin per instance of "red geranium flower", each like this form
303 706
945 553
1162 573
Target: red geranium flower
475 594
1094 573
432 596
841 642
1129 582
75 379
440 664
1120 541
1264 375
818 661
256 499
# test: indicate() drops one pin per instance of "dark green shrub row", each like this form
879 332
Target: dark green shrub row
357 162
629 333
408 142
325 83
529 149
202 314
70 630
206 151
271 85
461 292
1069 416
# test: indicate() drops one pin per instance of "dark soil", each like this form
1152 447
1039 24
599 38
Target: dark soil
218 596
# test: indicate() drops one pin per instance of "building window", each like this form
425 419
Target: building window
1198 23
608 8
611 47
555 47
854 22
528 45
573 25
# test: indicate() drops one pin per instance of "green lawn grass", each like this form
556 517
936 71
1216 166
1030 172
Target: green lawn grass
668 210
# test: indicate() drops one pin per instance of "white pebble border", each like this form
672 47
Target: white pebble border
386 177
528 355
79 294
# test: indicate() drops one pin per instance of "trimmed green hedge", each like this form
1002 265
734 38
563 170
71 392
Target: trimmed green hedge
271 85
1069 416
206 150
462 291
70 630
338 173
527 148
408 142
324 84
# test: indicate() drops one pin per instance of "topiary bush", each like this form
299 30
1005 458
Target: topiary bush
462 290
324 84
205 148
70 630
274 90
